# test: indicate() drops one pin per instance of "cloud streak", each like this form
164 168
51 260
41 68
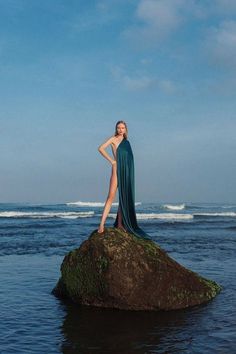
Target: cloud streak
142 82
220 45
156 20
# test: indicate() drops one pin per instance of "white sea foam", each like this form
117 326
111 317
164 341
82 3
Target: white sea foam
94 204
174 207
89 204
46 215
169 216
180 216
229 213
87 214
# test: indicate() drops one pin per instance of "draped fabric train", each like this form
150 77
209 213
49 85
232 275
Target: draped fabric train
126 188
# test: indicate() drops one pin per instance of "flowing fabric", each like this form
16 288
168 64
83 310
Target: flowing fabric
126 188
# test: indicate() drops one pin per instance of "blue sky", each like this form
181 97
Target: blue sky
71 69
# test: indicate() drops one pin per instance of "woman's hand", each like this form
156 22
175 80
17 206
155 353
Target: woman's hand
113 162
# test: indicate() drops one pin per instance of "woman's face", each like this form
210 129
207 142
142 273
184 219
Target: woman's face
121 129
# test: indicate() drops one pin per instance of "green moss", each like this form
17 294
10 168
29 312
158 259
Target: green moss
212 290
149 246
213 287
84 279
85 271
102 264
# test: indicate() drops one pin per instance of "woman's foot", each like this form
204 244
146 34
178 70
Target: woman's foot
101 229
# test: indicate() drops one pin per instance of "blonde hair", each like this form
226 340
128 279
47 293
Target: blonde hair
126 133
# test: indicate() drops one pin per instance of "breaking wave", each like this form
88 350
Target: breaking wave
94 204
173 216
229 213
174 206
46 215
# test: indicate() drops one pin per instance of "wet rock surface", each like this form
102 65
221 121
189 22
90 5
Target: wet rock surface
118 270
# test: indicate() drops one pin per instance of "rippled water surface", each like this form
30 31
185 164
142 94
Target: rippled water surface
33 242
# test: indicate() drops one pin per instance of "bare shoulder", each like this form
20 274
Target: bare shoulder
107 142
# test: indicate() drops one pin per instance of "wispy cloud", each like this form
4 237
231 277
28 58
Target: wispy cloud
141 82
138 83
156 20
145 61
220 45
226 6
90 22
102 13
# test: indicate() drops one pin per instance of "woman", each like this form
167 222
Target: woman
122 176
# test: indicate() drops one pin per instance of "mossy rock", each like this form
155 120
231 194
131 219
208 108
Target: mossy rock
118 270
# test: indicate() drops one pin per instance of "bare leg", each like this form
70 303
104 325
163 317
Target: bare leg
110 198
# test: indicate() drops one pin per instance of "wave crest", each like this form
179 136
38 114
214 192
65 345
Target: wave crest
172 216
94 204
174 206
46 215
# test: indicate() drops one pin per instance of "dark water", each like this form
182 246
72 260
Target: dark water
33 242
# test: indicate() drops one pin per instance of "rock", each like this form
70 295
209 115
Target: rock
118 270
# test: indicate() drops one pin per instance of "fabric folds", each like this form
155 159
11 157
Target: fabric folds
126 188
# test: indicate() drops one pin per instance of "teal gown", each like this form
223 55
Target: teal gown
126 188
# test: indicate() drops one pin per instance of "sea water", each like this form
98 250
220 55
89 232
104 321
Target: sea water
34 239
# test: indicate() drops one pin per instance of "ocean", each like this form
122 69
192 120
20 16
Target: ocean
34 238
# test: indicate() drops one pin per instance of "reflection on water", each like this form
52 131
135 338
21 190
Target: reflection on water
90 329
